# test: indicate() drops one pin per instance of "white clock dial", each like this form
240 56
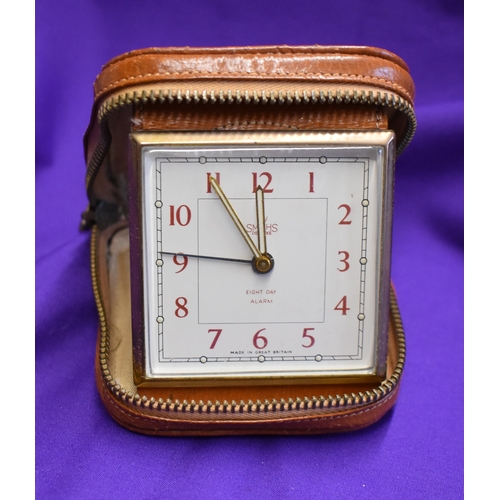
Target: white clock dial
209 315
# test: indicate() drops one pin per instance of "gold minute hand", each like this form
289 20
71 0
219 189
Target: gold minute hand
261 263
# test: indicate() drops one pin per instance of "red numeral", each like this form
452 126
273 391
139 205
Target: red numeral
347 212
344 261
209 184
181 216
305 335
266 187
311 182
181 311
216 338
342 306
257 337
180 260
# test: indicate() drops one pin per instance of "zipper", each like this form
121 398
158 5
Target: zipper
267 97
304 405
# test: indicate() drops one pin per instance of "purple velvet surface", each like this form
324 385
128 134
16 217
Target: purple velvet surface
416 451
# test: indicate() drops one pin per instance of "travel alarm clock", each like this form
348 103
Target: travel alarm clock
241 207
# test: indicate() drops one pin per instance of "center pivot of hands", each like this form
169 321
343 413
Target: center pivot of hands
263 264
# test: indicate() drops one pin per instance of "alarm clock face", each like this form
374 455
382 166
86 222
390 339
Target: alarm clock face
315 208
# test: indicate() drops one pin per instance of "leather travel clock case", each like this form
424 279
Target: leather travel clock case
281 88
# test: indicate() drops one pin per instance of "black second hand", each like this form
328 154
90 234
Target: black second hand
207 257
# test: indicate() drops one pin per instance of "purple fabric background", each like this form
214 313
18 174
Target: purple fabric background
416 451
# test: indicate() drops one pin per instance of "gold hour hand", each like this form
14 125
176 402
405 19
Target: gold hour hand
261 263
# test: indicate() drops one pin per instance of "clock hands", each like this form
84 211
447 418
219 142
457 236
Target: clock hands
207 257
262 262
261 220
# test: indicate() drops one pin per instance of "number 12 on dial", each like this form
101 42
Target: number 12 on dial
260 257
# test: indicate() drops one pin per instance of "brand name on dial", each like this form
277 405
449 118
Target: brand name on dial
270 228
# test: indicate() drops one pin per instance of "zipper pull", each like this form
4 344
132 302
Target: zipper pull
87 220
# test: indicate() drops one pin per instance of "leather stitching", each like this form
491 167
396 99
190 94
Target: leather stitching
255 122
249 55
371 79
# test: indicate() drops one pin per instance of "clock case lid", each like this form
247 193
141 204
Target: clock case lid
214 89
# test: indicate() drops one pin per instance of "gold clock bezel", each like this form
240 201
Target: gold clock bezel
140 140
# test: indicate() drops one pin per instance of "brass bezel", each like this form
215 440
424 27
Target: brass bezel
139 140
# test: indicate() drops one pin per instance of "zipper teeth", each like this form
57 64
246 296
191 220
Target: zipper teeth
271 97
234 407
280 97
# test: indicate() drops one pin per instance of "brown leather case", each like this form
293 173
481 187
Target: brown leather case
237 88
